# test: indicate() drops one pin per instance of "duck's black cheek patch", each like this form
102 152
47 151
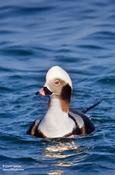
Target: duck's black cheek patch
47 91
66 92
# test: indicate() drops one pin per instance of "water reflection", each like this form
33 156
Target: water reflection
64 153
60 148
56 172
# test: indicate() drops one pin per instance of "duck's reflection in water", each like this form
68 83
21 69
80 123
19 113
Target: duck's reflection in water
59 148
56 172
65 153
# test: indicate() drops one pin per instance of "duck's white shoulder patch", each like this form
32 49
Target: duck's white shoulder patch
77 118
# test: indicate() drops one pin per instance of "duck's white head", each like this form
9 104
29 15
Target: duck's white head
58 83
57 73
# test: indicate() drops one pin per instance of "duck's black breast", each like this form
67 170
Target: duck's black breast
83 124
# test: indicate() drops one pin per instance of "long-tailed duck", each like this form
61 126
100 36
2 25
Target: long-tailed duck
59 121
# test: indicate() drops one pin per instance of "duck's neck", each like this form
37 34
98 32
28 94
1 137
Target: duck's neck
58 104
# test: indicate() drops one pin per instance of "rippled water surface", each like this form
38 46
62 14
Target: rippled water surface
80 37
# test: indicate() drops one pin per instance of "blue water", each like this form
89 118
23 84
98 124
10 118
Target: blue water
80 37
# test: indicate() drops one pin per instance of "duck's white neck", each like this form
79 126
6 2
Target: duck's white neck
54 103
57 104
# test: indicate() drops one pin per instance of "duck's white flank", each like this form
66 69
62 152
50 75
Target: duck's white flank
56 123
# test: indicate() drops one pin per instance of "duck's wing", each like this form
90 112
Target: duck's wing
34 129
83 123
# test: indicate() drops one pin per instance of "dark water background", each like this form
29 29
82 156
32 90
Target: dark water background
80 37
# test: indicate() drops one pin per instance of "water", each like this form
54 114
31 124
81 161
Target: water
80 37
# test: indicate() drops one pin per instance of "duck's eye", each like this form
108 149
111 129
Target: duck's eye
57 82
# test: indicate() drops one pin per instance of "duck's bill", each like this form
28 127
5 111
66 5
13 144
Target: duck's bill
44 91
41 92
